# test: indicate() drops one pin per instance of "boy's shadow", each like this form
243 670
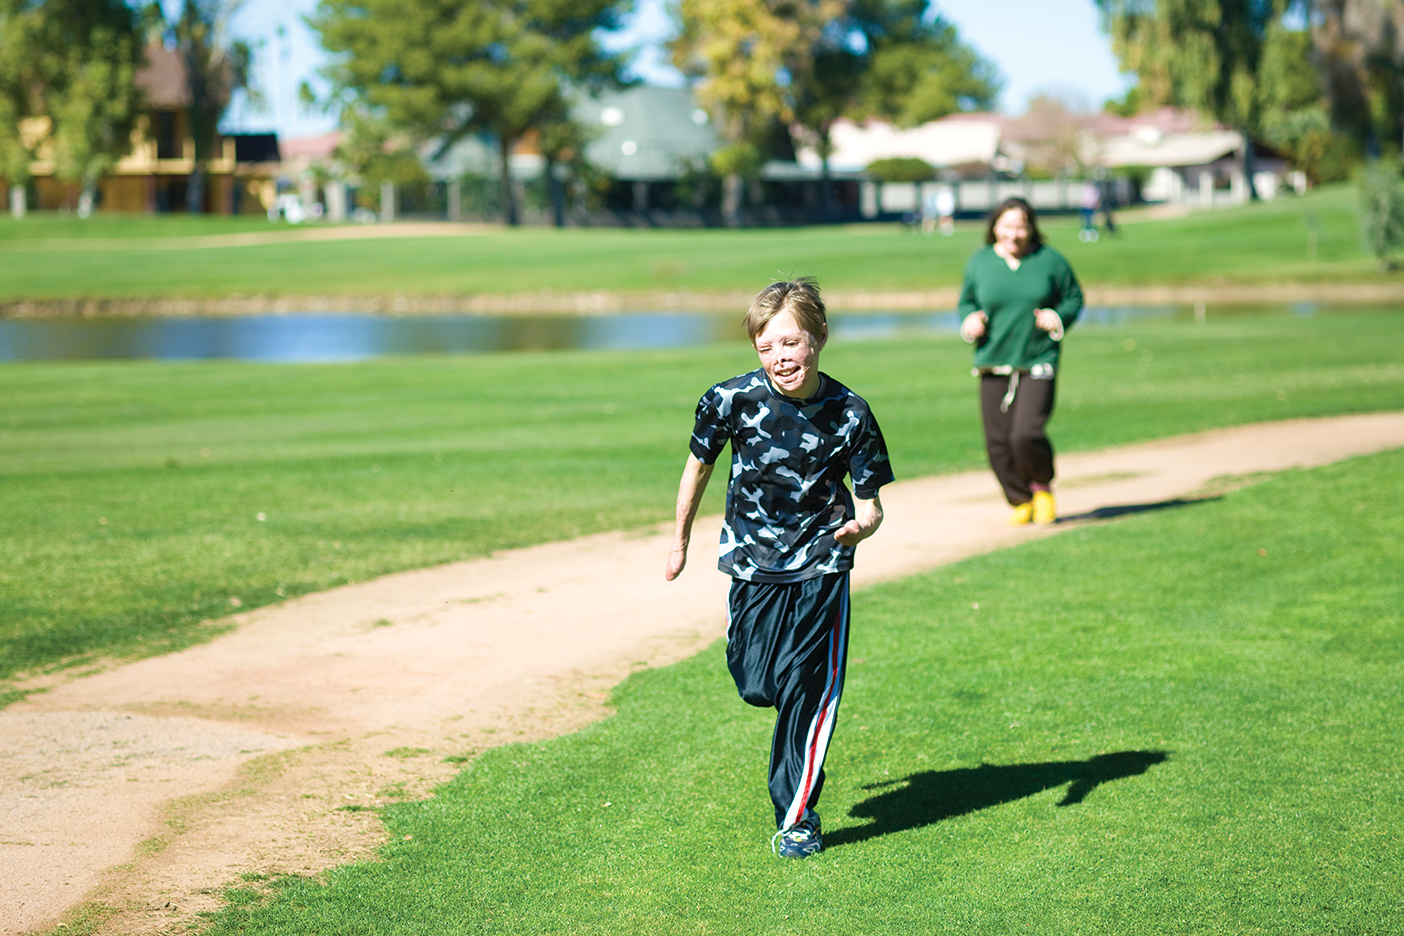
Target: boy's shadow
930 796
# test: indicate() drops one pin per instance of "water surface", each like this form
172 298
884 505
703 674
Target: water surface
304 337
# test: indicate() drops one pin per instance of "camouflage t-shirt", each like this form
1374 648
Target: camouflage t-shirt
786 495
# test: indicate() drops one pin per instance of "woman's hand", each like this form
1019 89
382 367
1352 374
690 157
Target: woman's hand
1049 321
972 327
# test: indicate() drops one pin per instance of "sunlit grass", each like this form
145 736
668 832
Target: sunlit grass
139 500
1178 722
1261 243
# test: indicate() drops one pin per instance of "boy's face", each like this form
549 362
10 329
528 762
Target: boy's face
789 355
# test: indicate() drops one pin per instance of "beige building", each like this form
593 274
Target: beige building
155 173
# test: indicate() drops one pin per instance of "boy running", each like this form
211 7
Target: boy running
789 536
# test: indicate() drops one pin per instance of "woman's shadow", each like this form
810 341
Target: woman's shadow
930 796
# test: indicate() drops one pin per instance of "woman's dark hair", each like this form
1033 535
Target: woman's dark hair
1035 238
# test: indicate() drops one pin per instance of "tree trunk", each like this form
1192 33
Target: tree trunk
731 200
1250 165
195 191
509 197
826 195
19 201
86 198
556 189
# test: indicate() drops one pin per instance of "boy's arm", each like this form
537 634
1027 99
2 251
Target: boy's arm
868 517
694 481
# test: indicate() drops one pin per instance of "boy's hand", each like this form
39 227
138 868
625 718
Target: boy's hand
690 488
677 559
862 526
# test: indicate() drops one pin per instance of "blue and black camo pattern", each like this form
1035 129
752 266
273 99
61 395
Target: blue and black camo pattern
786 495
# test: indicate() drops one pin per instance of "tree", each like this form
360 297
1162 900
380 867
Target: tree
1051 134
811 63
917 70
1359 49
20 100
1202 54
890 59
750 58
73 64
1381 210
1295 117
444 69
216 65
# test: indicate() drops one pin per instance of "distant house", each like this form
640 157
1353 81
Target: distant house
647 139
1188 162
154 174
963 145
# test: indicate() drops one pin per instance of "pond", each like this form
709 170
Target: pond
307 337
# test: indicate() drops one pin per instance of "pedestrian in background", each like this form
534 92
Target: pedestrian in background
1018 299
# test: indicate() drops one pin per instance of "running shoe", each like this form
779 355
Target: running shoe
1045 510
1022 514
800 840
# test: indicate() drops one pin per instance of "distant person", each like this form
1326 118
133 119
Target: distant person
1108 206
1018 299
789 536
1089 201
945 210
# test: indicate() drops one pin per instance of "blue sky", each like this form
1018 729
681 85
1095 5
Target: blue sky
1038 45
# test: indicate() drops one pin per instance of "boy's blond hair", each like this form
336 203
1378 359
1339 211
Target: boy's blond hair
799 297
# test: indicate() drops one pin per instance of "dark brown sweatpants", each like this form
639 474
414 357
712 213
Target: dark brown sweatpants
1020 453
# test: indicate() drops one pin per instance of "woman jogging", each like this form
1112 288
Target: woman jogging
1018 299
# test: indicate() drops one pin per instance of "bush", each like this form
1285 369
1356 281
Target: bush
901 169
1381 210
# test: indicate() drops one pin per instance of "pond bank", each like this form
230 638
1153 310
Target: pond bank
604 302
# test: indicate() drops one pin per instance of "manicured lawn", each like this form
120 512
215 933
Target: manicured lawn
61 226
1265 243
1177 722
139 500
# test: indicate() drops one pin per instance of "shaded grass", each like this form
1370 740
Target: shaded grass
131 493
1179 722
1262 243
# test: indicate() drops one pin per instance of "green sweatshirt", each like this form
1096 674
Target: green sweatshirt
1009 297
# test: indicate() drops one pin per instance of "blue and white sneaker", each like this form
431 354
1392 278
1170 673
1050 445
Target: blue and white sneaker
800 840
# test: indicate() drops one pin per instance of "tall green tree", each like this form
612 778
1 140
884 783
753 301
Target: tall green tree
1359 47
1202 54
750 59
20 97
73 62
918 69
1295 116
891 59
445 69
216 65
812 62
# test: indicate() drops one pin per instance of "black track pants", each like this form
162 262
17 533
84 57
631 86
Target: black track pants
786 646
1019 451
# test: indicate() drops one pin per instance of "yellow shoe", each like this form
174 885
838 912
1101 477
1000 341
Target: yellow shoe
1045 511
1023 513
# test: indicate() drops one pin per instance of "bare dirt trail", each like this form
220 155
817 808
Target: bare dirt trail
141 791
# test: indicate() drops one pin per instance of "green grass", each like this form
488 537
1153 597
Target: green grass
1263 244
131 493
55 225
1181 722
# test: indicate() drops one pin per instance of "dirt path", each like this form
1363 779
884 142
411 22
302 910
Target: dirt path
144 790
